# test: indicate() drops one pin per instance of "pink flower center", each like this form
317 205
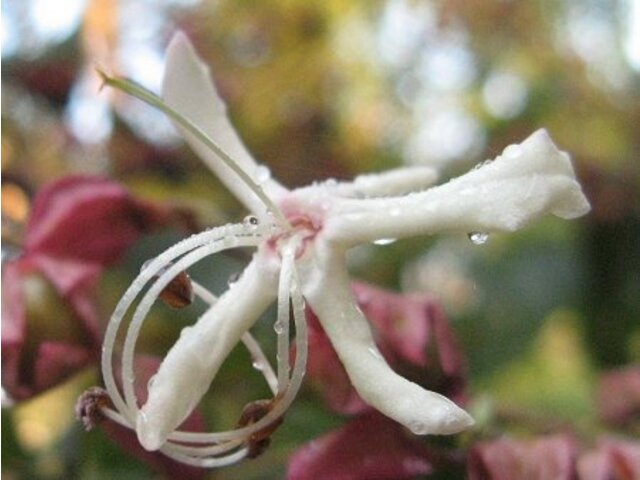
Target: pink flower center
306 225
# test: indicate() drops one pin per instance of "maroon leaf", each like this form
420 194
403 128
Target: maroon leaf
90 219
41 348
370 447
77 226
505 459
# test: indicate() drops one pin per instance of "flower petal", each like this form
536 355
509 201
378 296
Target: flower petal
193 361
393 182
188 89
327 373
527 181
370 446
327 289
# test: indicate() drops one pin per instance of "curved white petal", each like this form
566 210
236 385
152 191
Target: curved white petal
190 366
326 288
527 181
188 88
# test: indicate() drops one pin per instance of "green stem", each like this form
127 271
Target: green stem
141 93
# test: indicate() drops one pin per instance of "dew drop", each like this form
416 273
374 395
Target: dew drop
478 238
419 428
150 382
331 182
251 220
384 241
512 151
143 417
233 278
257 364
263 174
375 353
278 327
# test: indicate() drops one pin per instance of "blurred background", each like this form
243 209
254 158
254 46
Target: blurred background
335 89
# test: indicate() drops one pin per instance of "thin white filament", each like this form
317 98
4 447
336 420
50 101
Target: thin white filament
249 239
282 322
209 236
202 245
150 98
206 462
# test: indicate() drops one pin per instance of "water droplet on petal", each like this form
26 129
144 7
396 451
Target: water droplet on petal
143 417
512 151
331 182
478 238
258 365
251 221
419 428
384 241
375 353
278 327
150 382
233 278
263 174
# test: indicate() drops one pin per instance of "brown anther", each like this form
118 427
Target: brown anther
260 440
179 292
89 407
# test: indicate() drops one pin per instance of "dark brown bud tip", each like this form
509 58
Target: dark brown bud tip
179 292
89 406
260 440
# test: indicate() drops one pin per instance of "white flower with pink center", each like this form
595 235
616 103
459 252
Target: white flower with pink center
301 237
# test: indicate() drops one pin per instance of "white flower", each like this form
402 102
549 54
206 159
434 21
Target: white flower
301 237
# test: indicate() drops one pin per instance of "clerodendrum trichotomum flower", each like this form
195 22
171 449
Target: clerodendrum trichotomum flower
300 238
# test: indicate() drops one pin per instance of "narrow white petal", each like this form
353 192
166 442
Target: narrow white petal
326 288
188 88
190 366
525 182
393 182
